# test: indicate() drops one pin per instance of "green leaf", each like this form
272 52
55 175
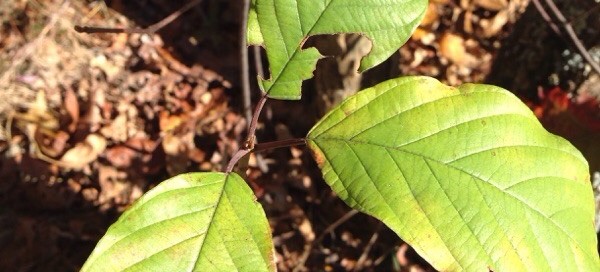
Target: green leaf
192 222
286 24
466 175
254 36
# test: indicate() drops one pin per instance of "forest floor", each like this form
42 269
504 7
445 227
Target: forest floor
92 121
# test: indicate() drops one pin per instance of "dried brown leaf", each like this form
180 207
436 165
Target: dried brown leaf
491 27
493 5
84 153
120 156
452 47
431 15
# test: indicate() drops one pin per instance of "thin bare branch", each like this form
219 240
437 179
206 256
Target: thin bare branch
148 30
547 17
250 140
360 263
568 29
254 122
302 260
247 98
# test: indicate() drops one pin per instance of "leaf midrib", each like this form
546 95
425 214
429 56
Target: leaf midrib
407 110
217 203
275 79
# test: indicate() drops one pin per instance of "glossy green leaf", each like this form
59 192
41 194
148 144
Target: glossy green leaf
466 175
286 24
192 222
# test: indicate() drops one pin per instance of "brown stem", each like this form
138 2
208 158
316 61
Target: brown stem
93 30
278 144
250 140
261 147
235 158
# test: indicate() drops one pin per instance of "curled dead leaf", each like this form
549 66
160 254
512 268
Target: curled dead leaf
491 27
84 152
52 145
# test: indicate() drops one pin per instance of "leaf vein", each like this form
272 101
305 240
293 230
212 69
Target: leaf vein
226 177
452 204
412 193
537 212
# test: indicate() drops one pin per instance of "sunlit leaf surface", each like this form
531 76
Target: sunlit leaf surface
466 175
282 26
192 222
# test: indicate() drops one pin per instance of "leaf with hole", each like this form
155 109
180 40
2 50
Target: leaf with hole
192 222
466 175
284 25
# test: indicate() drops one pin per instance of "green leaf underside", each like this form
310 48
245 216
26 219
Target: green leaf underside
192 222
466 175
253 35
284 25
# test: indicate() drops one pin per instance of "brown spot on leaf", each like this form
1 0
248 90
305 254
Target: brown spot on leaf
346 112
317 154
